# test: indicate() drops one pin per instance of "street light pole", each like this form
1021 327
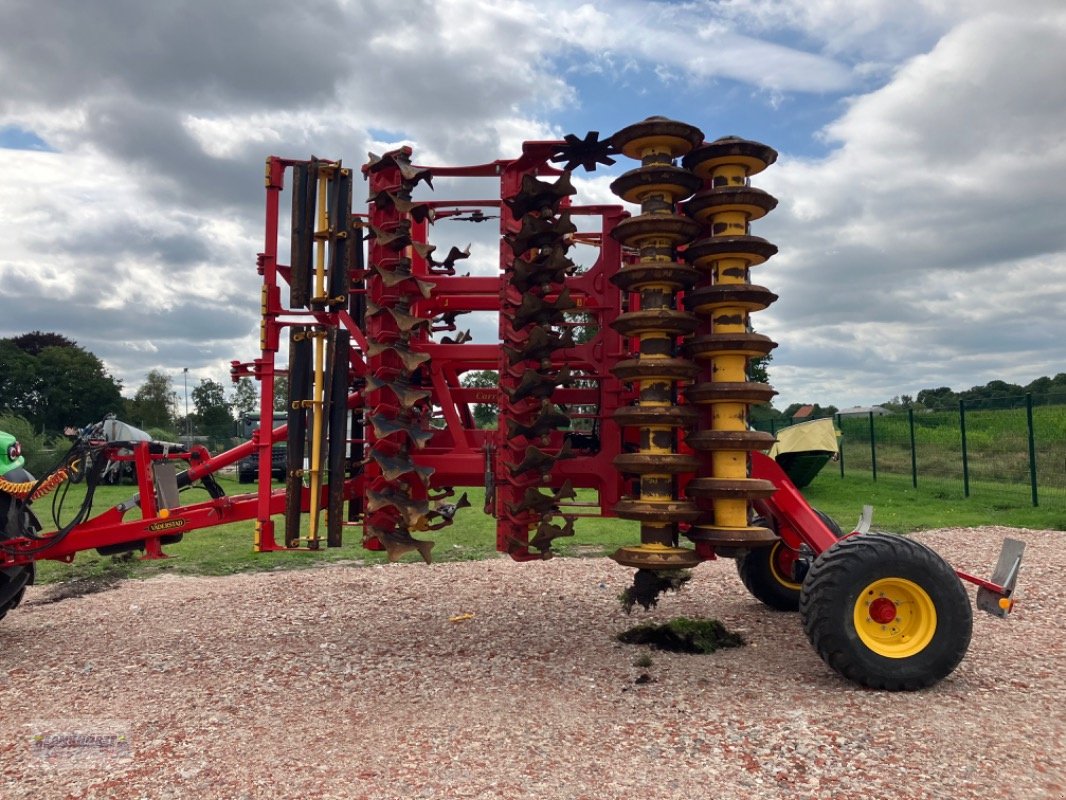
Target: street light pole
188 431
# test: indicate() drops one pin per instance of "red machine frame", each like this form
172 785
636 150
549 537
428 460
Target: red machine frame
458 453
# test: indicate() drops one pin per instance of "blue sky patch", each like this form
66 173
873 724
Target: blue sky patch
789 122
13 137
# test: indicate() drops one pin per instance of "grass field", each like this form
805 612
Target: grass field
997 450
227 549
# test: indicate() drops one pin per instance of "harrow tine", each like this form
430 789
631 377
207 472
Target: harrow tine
411 360
396 239
455 254
399 542
534 384
399 159
540 196
412 510
385 427
549 419
541 460
548 533
536 309
542 342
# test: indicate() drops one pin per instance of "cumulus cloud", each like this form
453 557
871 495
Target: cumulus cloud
918 235
928 243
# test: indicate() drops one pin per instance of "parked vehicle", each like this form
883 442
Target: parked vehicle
248 467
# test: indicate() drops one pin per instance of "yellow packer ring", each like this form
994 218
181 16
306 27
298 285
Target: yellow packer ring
895 617
785 581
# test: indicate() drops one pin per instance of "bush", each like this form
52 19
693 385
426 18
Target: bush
40 451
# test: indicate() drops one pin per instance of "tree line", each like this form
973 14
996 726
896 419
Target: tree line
51 382
1045 391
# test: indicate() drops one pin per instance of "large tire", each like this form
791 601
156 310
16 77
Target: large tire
766 572
14 518
763 572
886 612
21 577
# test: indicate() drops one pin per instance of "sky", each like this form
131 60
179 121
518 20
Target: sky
921 177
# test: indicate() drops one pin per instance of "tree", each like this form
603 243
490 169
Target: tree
154 403
281 393
52 382
938 398
245 397
36 341
757 368
212 412
485 414
19 380
75 388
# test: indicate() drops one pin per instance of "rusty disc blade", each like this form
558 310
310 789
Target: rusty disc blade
753 203
709 440
731 537
730 488
655 463
727 392
656 557
672 511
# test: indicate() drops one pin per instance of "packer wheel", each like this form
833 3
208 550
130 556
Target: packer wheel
768 572
886 612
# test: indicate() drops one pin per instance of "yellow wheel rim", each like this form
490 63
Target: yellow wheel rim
776 572
895 617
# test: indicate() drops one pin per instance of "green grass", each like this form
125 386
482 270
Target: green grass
997 445
227 549
901 508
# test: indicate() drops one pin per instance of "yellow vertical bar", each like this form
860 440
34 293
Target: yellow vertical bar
322 227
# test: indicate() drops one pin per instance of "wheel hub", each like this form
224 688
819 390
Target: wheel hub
882 610
895 617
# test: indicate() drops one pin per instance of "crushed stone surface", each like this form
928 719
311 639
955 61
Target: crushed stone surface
355 682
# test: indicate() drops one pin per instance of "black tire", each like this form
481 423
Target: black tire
763 571
22 577
762 576
829 522
15 518
918 620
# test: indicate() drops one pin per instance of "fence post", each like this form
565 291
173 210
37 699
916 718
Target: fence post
1032 446
965 459
841 447
914 452
873 448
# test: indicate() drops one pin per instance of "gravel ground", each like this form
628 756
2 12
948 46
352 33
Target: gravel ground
349 682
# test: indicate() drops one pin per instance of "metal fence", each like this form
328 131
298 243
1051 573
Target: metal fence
1008 449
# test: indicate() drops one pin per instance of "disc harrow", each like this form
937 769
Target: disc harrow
623 390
